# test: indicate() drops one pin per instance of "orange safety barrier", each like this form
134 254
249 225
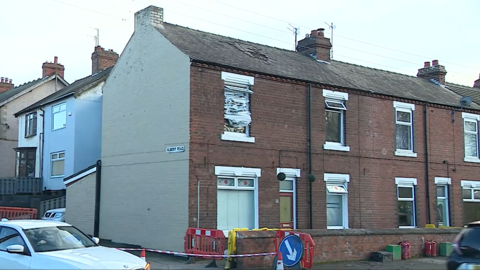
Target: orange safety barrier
205 242
17 213
308 246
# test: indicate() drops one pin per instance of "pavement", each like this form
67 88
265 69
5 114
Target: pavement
164 261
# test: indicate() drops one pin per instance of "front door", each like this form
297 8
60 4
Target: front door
286 210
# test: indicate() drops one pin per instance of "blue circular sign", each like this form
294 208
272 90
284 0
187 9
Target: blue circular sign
291 248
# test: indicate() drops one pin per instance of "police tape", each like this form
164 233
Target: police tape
199 255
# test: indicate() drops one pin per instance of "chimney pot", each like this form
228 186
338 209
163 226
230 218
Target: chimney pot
1 79
426 64
55 59
435 63
10 81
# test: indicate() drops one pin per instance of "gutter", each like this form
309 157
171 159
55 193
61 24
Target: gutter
98 183
42 142
427 167
309 113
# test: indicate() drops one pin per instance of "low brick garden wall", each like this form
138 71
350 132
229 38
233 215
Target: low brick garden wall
340 245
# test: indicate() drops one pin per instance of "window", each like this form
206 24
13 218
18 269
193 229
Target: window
404 129
471 201
31 124
58 164
237 199
470 127
25 163
9 236
237 116
335 120
337 200
406 202
59 116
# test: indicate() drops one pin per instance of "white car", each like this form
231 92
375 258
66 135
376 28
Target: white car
42 244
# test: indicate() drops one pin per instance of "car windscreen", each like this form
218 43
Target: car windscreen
57 238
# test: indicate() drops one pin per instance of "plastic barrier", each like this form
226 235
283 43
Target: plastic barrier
308 246
205 242
232 242
17 213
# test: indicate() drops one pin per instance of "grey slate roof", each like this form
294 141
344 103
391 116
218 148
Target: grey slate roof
463 90
225 51
77 87
17 90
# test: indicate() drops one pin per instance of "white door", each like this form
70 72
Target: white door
9 236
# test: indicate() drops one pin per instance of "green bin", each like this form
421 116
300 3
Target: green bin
445 249
396 251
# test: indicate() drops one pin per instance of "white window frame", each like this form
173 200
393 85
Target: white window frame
57 159
238 80
410 183
410 108
31 124
472 185
339 97
291 175
338 179
60 111
241 172
445 183
468 117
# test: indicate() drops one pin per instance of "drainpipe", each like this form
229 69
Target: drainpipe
42 142
427 168
310 150
98 183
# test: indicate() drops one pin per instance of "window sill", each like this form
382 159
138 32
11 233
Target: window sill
336 147
231 137
337 228
407 227
30 136
472 159
57 176
404 153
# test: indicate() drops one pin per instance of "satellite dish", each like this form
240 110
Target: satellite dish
465 101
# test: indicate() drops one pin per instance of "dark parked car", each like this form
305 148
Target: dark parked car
466 249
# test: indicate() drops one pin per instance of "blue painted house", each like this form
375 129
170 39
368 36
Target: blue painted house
70 124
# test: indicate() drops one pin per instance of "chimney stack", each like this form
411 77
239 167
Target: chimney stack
5 84
436 72
49 68
316 45
150 15
103 59
477 83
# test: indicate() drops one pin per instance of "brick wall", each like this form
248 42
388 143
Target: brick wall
279 125
339 245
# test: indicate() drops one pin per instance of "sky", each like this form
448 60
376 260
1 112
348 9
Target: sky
398 36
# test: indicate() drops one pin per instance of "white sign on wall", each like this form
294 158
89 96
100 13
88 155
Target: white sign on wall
176 149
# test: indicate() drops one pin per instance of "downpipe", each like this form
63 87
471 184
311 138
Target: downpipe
310 152
427 167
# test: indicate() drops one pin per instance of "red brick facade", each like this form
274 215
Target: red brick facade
280 127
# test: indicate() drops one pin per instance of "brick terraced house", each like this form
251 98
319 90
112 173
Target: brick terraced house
211 131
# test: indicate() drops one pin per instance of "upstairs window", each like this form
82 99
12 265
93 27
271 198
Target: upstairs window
237 115
404 129
31 124
59 116
470 129
335 109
